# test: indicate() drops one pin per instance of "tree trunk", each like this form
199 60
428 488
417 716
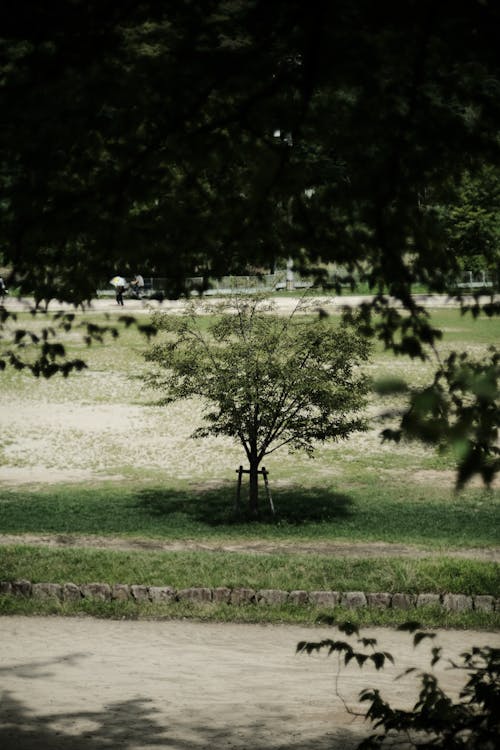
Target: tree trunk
253 495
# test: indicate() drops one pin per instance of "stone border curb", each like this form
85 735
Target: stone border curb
237 596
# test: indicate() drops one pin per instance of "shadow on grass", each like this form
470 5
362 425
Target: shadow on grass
217 507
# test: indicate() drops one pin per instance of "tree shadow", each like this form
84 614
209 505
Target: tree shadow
216 507
39 668
126 724
132 724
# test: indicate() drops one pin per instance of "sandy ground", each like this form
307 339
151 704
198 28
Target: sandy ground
82 684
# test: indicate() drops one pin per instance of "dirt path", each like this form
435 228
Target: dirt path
85 684
257 547
285 303
109 302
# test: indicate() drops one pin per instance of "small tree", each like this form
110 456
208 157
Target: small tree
268 381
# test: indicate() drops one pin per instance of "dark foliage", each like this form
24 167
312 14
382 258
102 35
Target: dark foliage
211 135
436 721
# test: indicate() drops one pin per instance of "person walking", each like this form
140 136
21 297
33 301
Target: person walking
119 294
120 284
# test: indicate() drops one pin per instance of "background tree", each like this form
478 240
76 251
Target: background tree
267 381
473 223
217 133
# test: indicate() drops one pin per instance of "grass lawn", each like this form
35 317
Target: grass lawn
278 571
95 455
427 517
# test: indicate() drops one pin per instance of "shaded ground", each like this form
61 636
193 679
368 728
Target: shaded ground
85 684
337 549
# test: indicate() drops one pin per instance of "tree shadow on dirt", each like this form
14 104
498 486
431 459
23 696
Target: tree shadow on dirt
216 507
126 724
131 724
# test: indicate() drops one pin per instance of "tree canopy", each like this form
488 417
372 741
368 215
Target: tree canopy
214 134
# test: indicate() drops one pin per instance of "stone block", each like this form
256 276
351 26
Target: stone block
221 595
139 593
161 594
272 596
324 598
47 591
71 592
353 599
380 600
427 600
195 595
100 592
5 587
402 601
457 602
120 592
21 587
484 603
298 597
242 596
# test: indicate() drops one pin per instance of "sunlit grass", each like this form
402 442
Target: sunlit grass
430 617
309 572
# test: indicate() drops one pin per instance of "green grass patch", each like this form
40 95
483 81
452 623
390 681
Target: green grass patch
429 617
368 511
287 572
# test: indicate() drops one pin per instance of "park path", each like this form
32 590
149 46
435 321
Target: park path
257 547
285 303
88 684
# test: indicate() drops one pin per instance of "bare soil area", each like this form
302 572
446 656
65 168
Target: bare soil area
86 684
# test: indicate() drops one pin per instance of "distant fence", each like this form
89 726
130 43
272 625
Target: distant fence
475 280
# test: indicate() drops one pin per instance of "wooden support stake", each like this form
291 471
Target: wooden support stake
238 489
265 474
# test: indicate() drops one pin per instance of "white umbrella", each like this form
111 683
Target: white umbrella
118 281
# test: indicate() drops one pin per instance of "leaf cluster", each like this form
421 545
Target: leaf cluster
41 350
436 720
459 411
